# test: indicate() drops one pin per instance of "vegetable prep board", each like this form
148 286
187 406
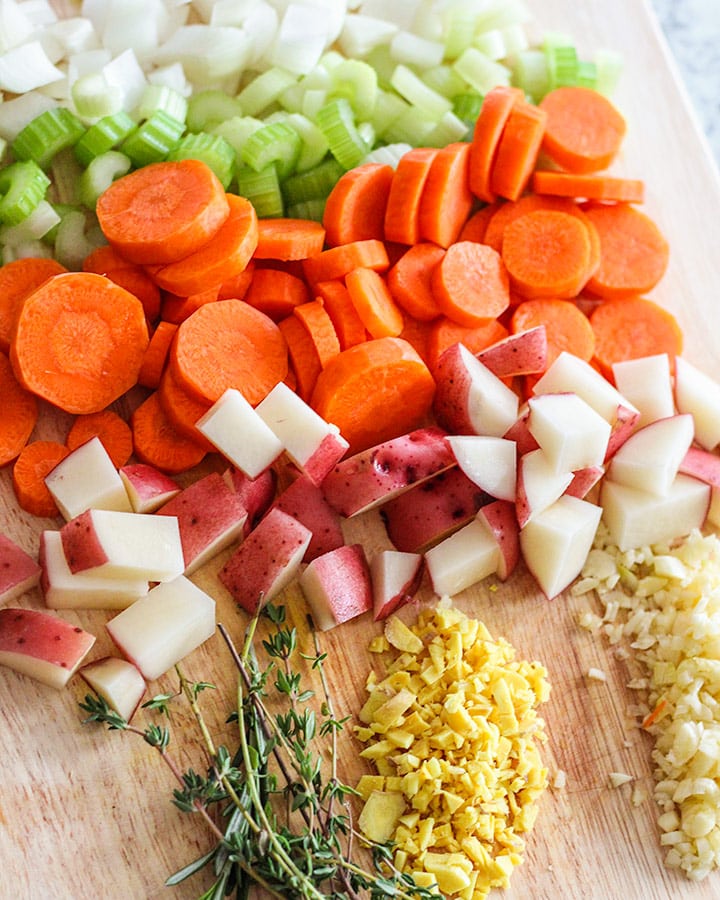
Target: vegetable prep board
86 813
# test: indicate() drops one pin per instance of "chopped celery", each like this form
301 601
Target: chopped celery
104 135
466 106
314 143
587 75
100 174
153 140
412 127
236 130
209 108
276 143
481 72
94 97
72 245
443 79
413 89
262 189
608 67
448 129
492 44
530 74
337 123
387 109
388 154
313 209
357 82
264 90
161 97
32 227
48 134
23 184
313 184
562 62
212 149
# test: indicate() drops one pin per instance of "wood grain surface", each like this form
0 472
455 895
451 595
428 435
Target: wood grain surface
86 814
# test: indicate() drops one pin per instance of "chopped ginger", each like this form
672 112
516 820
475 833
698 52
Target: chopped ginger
455 722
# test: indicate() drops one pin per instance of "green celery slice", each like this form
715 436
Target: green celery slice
313 184
23 184
276 143
262 189
212 149
337 123
153 140
209 108
100 174
106 134
48 134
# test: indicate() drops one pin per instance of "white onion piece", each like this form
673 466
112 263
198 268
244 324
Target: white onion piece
126 72
15 26
26 68
300 41
209 55
361 34
15 114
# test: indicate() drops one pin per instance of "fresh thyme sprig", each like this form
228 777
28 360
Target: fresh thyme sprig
278 810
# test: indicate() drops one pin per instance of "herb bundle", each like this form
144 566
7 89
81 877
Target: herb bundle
280 814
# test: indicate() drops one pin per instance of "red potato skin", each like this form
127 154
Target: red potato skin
520 433
149 483
18 570
423 516
43 636
345 576
451 395
524 353
81 545
403 597
305 501
331 450
266 555
703 465
584 480
376 475
502 522
255 494
622 428
205 511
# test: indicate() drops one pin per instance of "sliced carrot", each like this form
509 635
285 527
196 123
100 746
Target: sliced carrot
303 355
518 150
355 207
236 287
17 279
494 112
583 131
410 280
476 226
182 408
566 327
104 258
402 223
225 256
139 283
417 333
163 212
547 254
276 292
338 303
446 199
471 284
631 328
113 431
229 344
374 303
606 188
314 318
156 355
444 333
36 460
338 261
633 252
158 443
79 341
176 309
287 239
506 212
374 391
19 413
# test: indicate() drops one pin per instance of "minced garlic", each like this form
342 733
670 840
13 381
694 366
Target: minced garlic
666 601
453 731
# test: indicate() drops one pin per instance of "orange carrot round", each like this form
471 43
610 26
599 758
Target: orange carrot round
223 257
471 284
505 213
355 207
276 292
79 341
518 150
113 431
476 226
303 353
348 324
446 199
547 254
236 287
183 409
444 333
633 327
158 443
287 239
156 355
566 327
338 261
176 309
374 303
402 223
163 211
36 460
229 344
314 318
139 283
494 112
583 131
410 280
374 391
17 279
633 252
605 188
19 413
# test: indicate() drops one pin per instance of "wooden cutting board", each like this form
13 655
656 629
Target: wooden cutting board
86 813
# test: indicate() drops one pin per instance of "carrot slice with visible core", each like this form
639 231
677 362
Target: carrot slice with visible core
583 131
36 460
79 341
471 283
223 257
494 112
19 413
229 344
113 431
374 391
355 207
158 443
18 279
410 280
